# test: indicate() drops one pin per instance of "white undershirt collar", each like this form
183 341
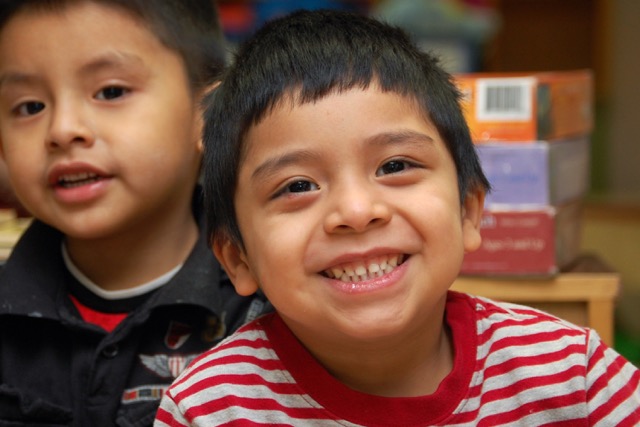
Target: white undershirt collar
119 294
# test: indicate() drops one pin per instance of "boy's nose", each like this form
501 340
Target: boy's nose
69 125
356 209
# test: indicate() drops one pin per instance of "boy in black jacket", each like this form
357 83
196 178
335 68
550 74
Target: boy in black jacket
112 290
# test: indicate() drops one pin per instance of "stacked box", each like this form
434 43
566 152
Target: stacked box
537 173
522 107
534 242
532 135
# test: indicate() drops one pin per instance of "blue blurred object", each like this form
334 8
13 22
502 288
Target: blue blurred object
269 9
452 29
241 19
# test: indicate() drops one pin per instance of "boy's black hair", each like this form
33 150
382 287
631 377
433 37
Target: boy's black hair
189 27
308 55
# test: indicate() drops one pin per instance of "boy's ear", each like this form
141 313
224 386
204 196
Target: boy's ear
234 261
472 208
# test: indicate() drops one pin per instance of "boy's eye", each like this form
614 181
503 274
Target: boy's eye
393 166
29 108
300 187
111 92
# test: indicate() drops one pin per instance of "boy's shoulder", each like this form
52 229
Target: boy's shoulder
248 341
248 346
40 244
511 324
493 311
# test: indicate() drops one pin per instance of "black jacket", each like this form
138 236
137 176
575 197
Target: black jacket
56 370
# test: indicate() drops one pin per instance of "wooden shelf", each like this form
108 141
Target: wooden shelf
584 294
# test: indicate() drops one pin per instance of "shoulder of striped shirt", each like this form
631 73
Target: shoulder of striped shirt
245 341
492 309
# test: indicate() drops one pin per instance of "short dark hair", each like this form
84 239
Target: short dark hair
191 28
308 55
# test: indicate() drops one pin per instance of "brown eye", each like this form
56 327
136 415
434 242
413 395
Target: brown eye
29 108
301 187
111 92
393 166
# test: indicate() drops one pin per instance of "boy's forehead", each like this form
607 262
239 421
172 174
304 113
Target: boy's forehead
81 45
86 25
293 101
296 97
30 9
60 9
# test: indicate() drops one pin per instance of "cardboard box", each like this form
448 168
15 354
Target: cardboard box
536 174
527 106
536 242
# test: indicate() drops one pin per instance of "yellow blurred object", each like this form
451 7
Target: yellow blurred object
11 228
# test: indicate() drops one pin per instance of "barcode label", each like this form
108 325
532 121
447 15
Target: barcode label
507 99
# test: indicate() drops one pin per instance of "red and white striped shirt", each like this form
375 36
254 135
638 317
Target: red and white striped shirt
513 366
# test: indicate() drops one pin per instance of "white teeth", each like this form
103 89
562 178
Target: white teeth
360 272
77 179
77 176
390 265
349 272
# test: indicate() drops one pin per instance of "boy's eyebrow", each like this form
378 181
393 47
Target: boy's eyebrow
271 165
15 78
111 60
404 136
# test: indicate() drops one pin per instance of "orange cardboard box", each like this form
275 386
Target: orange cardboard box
527 106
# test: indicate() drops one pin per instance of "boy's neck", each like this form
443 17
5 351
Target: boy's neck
135 257
411 365
402 375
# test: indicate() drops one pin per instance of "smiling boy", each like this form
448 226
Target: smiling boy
344 185
112 290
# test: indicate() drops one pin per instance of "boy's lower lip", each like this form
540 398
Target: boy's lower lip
82 193
371 285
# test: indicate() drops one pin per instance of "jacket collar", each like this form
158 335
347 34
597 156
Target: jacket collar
34 279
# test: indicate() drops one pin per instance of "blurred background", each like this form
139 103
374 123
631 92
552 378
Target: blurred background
536 35
515 36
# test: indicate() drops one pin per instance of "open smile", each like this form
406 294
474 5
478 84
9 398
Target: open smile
365 270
